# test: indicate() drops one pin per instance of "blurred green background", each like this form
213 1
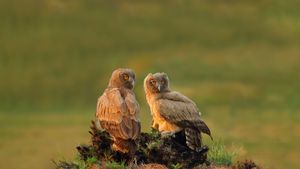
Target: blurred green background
238 60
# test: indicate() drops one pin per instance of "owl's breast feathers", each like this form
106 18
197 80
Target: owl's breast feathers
118 113
159 122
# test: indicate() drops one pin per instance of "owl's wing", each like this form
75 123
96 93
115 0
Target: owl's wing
180 110
111 106
134 111
133 106
113 115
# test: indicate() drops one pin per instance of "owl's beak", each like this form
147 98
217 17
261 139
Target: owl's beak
131 80
159 87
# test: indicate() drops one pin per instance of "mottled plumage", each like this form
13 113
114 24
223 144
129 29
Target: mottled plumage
172 111
118 110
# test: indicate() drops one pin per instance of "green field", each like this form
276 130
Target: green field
238 60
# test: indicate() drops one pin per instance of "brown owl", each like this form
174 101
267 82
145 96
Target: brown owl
173 112
118 111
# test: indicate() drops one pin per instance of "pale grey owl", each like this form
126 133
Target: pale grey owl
173 112
118 110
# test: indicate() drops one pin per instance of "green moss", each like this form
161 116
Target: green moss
176 166
115 165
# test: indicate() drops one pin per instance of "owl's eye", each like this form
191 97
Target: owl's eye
153 82
162 82
125 76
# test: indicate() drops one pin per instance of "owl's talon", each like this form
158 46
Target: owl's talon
203 149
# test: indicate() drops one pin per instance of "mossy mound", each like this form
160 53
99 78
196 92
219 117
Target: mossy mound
168 151
151 148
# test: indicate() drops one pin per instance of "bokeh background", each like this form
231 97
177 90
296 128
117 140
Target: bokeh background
238 60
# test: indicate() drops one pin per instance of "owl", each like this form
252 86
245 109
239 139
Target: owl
173 112
118 111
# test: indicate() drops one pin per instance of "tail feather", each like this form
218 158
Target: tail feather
124 146
193 139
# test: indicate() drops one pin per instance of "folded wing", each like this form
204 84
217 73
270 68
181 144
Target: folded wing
116 117
180 110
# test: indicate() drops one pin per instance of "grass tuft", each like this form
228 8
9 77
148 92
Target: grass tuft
177 166
219 155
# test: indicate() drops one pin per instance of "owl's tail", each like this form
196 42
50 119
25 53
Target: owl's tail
124 146
193 138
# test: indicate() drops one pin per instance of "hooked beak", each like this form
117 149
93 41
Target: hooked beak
159 87
132 83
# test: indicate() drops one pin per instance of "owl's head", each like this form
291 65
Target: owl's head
156 83
122 78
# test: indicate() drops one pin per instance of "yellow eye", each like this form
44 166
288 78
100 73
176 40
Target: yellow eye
126 77
162 82
152 82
